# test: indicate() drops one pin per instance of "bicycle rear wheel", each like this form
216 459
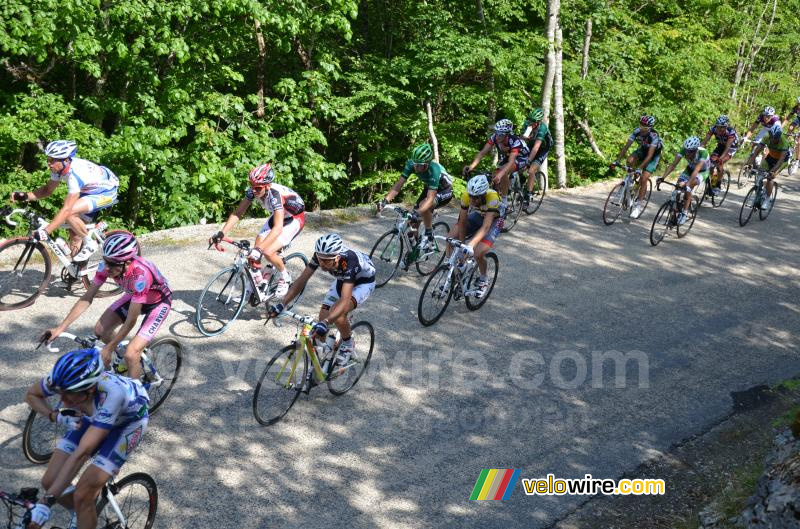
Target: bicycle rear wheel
279 385
137 498
39 436
764 213
661 223
341 379
24 272
615 204
295 264
435 295
429 262
743 176
748 206
221 302
166 356
724 186
513 211
492 267
385 256
537 195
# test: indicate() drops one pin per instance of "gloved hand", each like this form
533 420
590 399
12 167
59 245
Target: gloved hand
638 172
466 171
275 310
68 422
19 196
415 216
41 234
381 204
255 254
468 250
40 514
320 328
216 238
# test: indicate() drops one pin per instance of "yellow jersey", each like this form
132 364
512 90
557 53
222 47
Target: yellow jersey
490 205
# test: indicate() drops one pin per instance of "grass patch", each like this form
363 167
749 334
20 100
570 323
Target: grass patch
791 384
787 418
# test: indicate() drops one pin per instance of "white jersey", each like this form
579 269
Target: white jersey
87 178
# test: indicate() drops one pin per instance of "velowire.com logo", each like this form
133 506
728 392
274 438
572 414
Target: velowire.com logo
495 484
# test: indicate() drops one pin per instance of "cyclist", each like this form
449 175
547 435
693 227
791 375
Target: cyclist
145 291
512 153
697 161
479 223
437 189
90 189
779 145
536 130
645 158
354 281
110 423
794 116
727 145
286 212
766 119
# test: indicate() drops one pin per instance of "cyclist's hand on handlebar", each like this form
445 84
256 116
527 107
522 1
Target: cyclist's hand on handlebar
468 250
275 310
466 170
320 328
49 335
379 205
216 239
70 422
40 515
19 196
105 354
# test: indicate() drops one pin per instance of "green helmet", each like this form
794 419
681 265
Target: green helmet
422 153
537 114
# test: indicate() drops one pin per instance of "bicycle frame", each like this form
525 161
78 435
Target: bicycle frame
403 228
304 344
461 276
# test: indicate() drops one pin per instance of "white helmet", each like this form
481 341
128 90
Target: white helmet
61 149
768 111
330 244
692 143
798 100
504 126
723 120
478 185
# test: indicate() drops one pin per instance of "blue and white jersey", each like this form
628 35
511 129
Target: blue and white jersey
87 178
354 267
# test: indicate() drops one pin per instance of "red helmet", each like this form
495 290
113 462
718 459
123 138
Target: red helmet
647 121
262 175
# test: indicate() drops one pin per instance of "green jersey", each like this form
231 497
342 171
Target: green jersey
435 177
702 157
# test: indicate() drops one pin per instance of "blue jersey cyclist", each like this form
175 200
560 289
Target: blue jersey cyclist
698 162
353 282
645 158
108 420
727 145
90 188
536 131
437 188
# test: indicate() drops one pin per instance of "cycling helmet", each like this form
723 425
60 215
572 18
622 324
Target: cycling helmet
478 185
723 120
422 153
768 111
61 149
120 247
261 175
76 371
504 126
329 245
776 129
692 143
647 121
537 114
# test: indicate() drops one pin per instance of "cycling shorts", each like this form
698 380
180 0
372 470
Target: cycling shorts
291 229
155 314
641 154
720 150
442 197
541 156
769 162
686 177
361 292
474 223
97 203
115 449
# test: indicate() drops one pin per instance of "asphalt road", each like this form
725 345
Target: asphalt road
522 383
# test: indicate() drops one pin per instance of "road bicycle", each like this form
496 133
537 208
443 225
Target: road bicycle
223 298
745 171
161 365
25 263
714 177
755 197
623 196
457 279
403 244
666 218
517 189
287 374
130 503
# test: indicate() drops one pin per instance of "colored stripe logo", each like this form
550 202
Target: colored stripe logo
495 484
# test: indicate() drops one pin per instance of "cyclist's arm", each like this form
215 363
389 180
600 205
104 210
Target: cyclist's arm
478 157
729 143
624 150
88 444
42 192
671 166
488 219
395 190
536 145
705 140
343 305
298 285
461 232
650 153
236 215
696 171
779 164
35 398
77 309
428 202
134 311
275 232
63 213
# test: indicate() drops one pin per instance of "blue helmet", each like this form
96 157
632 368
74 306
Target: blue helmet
76 371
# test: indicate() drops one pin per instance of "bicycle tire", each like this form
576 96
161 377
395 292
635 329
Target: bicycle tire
122 491
157 351
94 260
763 214
743 176
290 261
661 223
649 192
537 196
430 263
694 207
349 376
492 268
611 209
512 212
386 264
748 206
724 186
39 436
433 282
30 253
233 278
286 391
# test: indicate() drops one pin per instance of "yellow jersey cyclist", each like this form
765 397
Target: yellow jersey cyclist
286 218
779 145
727 145
353 282
535 130
698 162
436 192
479 224
791 124
645 158
110 422
90 189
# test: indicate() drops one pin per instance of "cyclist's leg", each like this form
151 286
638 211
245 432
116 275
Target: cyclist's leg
112 318
649 169
64 448
154 317
427 214
86 207
485 245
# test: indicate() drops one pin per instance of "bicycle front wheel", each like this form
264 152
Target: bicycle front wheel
537 195
280 385
724 185
764 213
661 224
646 199
615 204
342 378
24 272
435 296
748 205
513 211
165 357
221 302
136 496
492 267
385 256
684 228
39 436
430 261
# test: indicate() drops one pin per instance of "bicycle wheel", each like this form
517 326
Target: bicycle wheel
764 213
748 205
136 496
724 185
385 256
661 223
429 262
615 204
492 267
341 379
646 199
743 176
279 386
24 272
295 264
684 228
39 435
537 195
435 296
109 288
166 356
221 302
513 211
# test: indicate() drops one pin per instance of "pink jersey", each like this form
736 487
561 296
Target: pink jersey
142 280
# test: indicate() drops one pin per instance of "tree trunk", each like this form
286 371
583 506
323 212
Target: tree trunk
558 113
431 132
587 38
491 107
757 44
262 53
553 8
584 126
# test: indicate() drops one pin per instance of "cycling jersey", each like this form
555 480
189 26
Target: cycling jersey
142 280
434 177
354 267
278 197
490 205
87 178
772 120
514 145
778 142
723 134
645 141
542 132
795 115
701 157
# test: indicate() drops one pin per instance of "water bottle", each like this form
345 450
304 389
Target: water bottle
117 364
330 342
258 276
63 246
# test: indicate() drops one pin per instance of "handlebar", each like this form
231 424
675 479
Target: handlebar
8 214
26 498
299 317
242 245
83 342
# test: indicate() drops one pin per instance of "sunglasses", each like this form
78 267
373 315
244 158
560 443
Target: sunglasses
112 264
326 258
420 166
260 188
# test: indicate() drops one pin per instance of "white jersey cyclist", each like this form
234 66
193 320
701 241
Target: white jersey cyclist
87 178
